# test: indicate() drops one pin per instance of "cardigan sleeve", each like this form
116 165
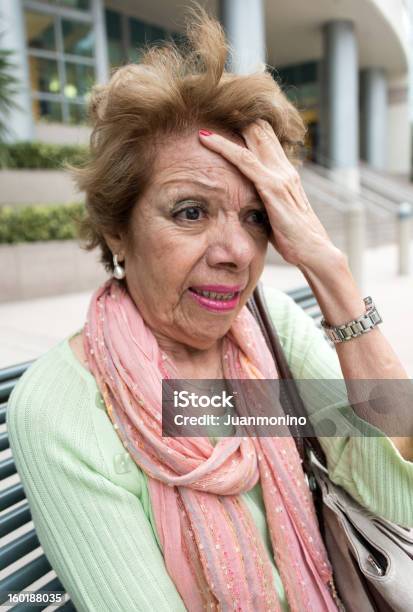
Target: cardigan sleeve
94 531
370 468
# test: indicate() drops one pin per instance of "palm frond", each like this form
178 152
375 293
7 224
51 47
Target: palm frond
9 87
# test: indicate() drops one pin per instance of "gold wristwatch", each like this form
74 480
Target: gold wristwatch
365 323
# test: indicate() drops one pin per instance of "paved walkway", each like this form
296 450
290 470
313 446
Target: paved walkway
29 328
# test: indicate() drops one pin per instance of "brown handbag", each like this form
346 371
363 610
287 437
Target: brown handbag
372 558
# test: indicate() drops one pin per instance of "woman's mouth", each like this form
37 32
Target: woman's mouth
217 301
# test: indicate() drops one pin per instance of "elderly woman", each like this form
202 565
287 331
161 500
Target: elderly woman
190 177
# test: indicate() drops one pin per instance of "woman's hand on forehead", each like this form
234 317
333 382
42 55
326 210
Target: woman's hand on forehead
297 233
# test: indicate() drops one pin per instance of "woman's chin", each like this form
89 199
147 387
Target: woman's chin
201 333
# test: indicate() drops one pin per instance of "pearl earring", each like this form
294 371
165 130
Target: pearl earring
118 271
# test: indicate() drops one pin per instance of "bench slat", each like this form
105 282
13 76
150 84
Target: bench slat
7 468
11 496
6 388
299 293
25 576
15 550
3 408
14 372
14 519
4 441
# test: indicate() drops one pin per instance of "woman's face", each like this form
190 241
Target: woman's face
200 225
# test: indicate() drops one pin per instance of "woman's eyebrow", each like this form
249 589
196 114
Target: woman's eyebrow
182 184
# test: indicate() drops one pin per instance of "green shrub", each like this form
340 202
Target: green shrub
35 223
37 155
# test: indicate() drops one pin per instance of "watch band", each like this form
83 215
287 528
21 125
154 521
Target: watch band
352 329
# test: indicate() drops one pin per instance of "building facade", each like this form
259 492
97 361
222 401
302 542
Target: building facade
344 63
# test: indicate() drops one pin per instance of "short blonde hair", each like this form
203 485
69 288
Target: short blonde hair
172 91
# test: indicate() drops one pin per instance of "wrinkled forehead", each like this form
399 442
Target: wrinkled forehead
185 158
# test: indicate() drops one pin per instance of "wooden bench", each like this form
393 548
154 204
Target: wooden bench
14 508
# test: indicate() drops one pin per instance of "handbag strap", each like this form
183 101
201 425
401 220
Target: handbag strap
258 307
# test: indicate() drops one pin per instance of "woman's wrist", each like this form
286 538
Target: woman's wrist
334 287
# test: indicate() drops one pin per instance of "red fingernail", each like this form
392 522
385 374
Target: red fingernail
205 133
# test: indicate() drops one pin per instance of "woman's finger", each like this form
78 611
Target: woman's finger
278 146
244 159
262 139
262 143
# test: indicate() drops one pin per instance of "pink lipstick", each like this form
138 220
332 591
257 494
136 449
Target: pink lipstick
216 298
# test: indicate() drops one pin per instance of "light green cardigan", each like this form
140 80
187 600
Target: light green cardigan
90 502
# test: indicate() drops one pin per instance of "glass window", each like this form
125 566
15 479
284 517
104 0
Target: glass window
309 72
298 74
44 75
78 38
113 25
114 38
157 34
45 110
60 87
79 4
40 31
115 52
79 80
309 94
76 4
77 114
139 35
140 32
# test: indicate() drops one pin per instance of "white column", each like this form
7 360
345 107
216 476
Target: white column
13 38
340 102
340 130
405 225
355 227
101 47
410 13
373 119
243 21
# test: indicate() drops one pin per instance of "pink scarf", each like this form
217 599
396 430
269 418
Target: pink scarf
211 547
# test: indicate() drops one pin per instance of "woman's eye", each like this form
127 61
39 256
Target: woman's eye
259 217
190 213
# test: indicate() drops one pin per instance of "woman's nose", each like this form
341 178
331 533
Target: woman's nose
231 245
